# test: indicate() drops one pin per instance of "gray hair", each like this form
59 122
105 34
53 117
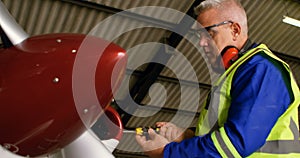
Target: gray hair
236 15
207 4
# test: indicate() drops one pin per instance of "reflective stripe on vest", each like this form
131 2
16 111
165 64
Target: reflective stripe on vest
283 139
286 146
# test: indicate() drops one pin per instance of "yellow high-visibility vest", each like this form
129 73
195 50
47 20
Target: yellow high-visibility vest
282 141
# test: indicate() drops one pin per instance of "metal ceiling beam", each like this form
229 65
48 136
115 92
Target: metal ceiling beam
153 70
287 57
298 1
172 80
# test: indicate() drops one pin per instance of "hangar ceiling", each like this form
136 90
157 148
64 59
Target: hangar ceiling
146 30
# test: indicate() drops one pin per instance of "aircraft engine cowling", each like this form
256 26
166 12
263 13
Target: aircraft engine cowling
53 87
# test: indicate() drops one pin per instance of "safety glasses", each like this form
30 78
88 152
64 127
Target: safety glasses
200 31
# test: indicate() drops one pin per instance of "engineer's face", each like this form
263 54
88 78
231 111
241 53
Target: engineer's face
216 38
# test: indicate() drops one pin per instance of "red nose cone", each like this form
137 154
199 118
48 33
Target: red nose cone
52 87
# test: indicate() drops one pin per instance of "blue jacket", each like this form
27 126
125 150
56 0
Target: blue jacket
259 96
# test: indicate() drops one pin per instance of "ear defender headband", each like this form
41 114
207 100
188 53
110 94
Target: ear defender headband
229 55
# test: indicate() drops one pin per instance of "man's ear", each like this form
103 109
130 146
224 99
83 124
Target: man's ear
236 30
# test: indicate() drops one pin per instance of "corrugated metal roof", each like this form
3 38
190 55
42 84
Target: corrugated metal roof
121 4
175 96
189 62
265 24
48 16
51 16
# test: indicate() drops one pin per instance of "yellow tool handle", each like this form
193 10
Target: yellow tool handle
143 131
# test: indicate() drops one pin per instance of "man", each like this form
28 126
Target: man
255 100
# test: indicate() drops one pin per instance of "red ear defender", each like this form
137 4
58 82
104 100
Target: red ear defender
229 55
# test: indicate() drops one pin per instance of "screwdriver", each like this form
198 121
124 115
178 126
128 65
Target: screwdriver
142 131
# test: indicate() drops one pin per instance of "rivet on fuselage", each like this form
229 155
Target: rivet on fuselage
58 40
56 80
85 111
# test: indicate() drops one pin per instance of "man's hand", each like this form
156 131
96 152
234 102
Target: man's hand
174 133
154 147
171 131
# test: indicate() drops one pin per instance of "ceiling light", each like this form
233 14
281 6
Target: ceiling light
291 21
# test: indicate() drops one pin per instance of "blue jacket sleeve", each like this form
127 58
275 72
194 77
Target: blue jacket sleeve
199 146
260 94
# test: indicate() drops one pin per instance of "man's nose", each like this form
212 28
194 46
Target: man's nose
203 41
